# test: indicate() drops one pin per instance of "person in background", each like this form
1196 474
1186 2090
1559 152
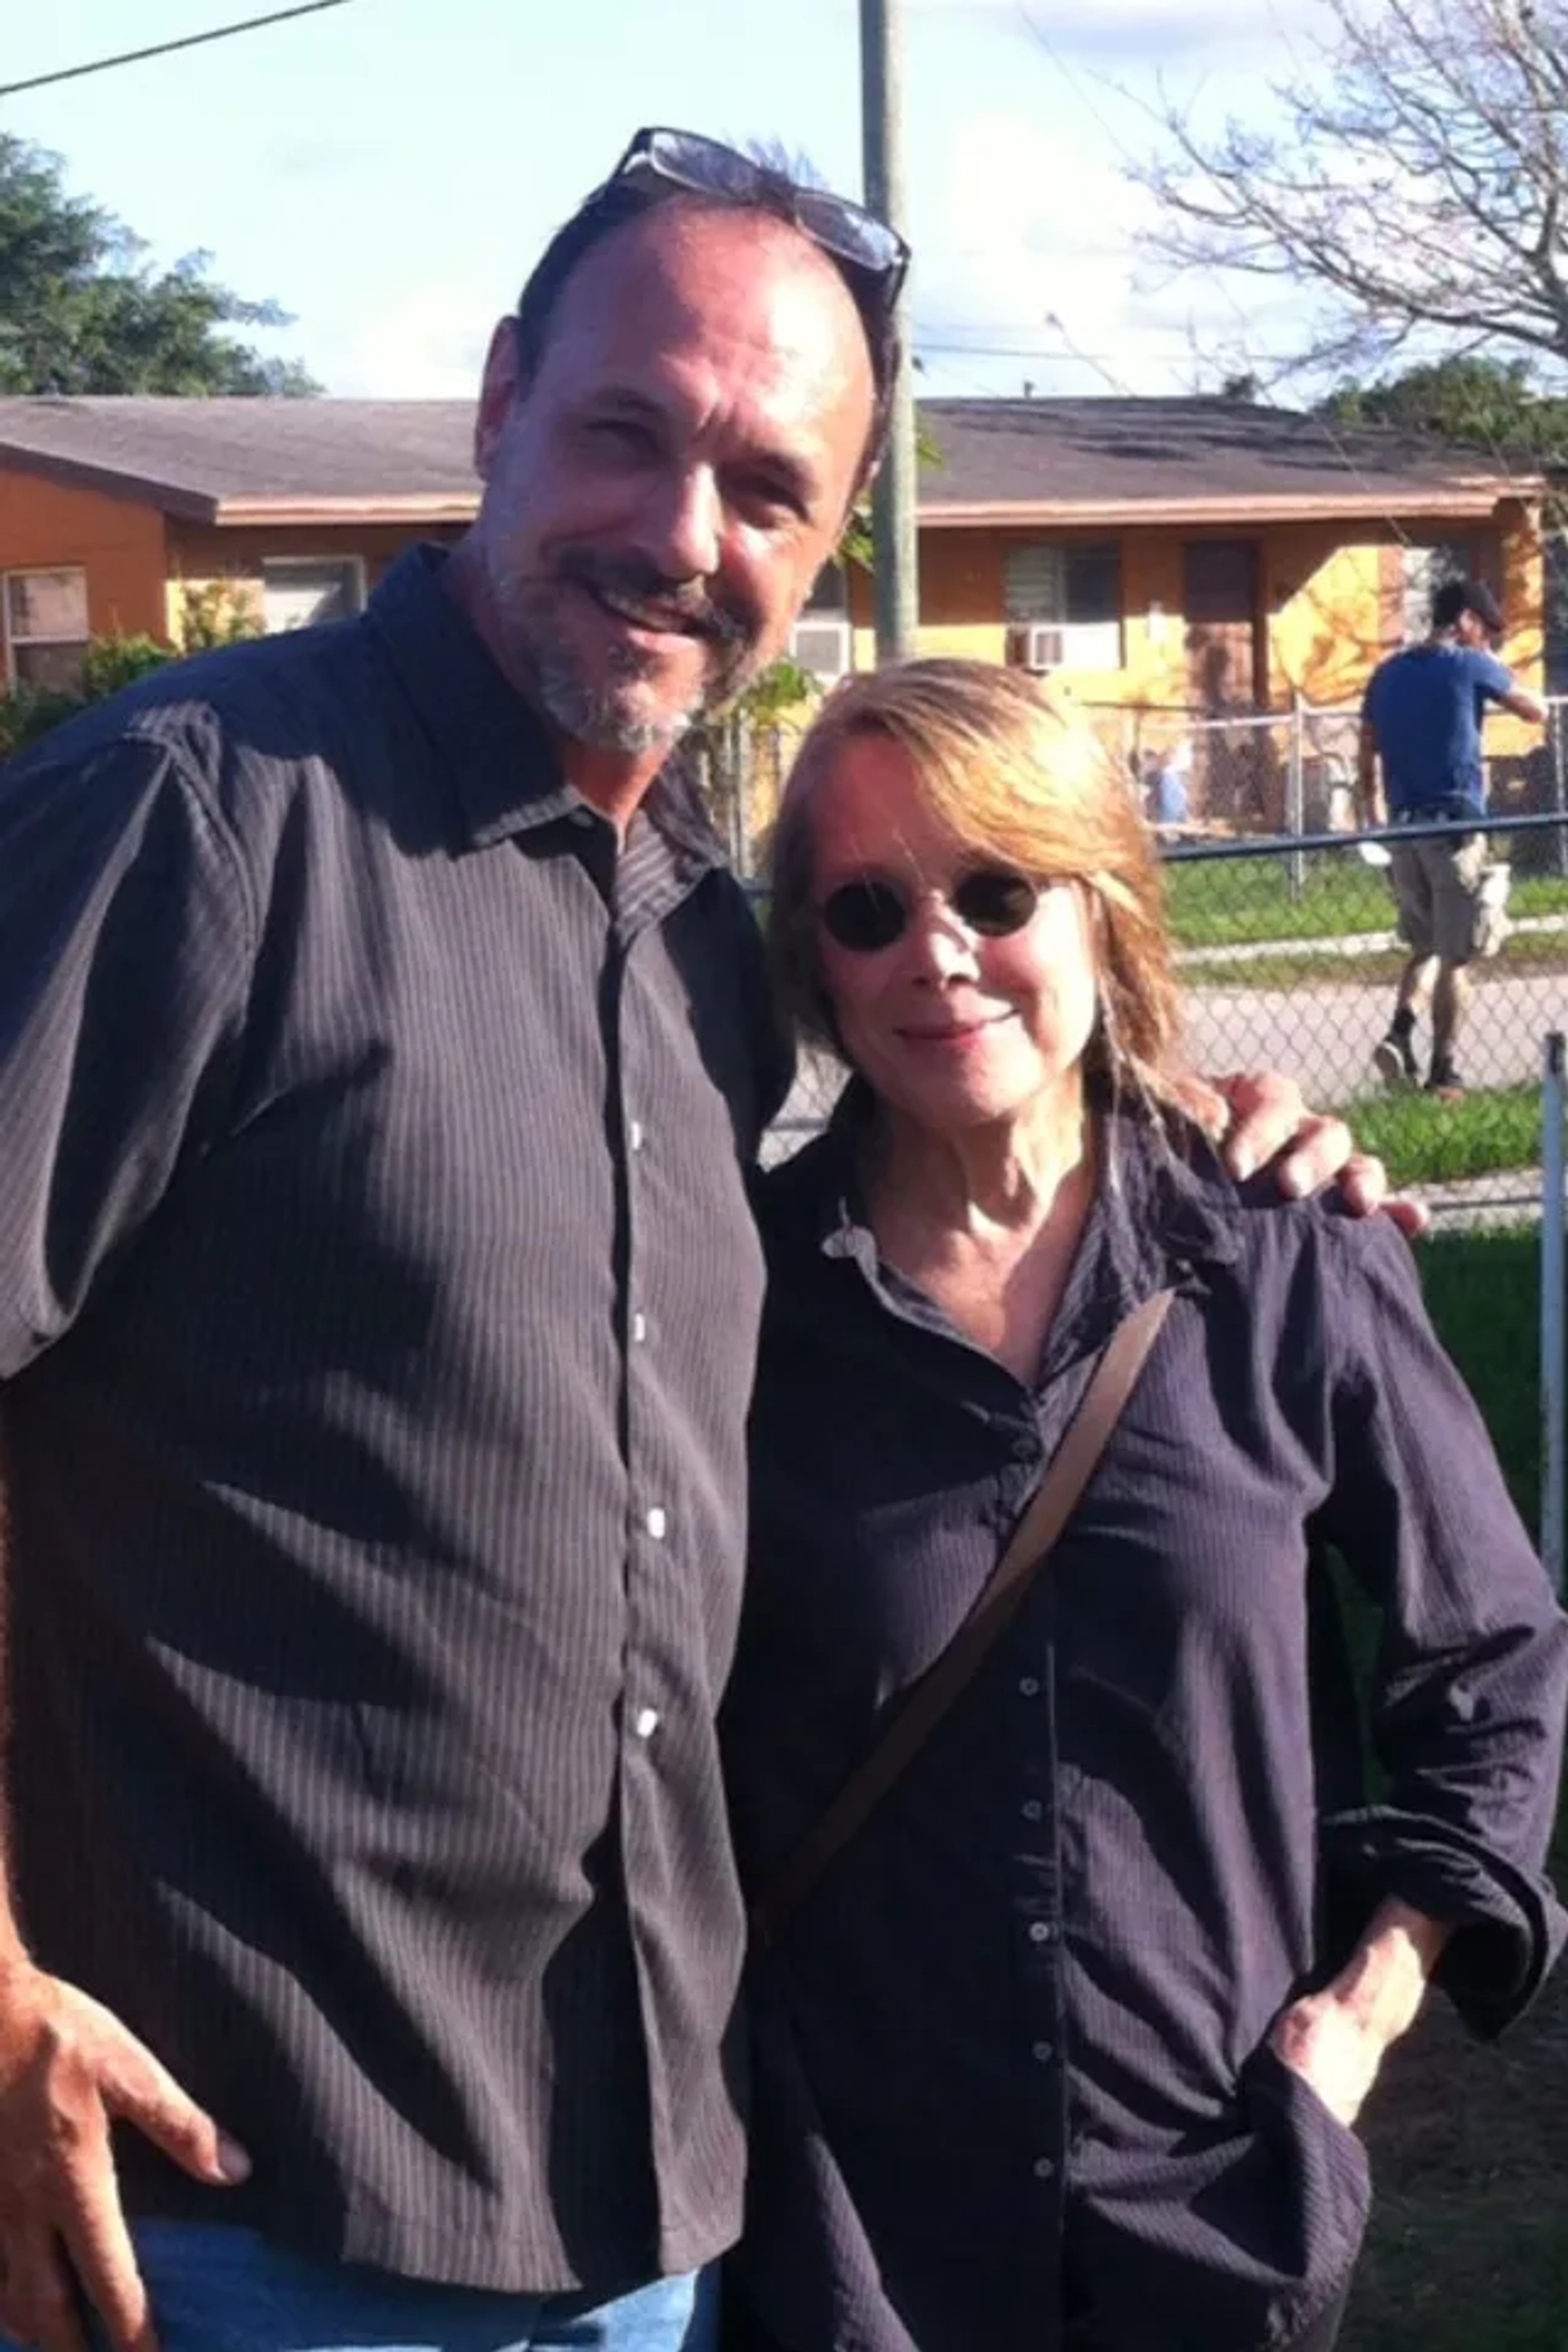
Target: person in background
1170 787
1420 763
1062 2039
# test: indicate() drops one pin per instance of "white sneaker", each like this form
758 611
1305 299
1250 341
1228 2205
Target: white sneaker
1395 1063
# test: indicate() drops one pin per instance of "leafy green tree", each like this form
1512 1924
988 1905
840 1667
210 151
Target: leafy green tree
1493 404
1496 407
83 310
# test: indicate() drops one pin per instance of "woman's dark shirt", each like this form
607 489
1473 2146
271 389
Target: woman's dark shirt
1026 2014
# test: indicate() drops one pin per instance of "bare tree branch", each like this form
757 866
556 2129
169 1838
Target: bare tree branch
1418 179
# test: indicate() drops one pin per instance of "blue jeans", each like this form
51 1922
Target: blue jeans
217 2289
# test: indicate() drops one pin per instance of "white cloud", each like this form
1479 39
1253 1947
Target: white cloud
426 341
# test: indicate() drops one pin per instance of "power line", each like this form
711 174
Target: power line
167 48
1128 351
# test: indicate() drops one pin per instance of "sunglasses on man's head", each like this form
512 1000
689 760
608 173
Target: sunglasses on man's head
869 912
705 167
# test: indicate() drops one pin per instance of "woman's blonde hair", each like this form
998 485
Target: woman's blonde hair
1012 773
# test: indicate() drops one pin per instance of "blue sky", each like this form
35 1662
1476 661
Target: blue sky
387 170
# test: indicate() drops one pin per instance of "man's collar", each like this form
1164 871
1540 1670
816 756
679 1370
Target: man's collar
499 754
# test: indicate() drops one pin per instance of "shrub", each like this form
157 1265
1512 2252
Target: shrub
216 613
114 662
27 712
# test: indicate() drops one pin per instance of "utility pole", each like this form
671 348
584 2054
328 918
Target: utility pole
895 548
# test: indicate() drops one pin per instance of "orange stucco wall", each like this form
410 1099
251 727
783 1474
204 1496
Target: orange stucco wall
117 543
201 553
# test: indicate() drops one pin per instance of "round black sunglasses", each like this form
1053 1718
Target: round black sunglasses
869 913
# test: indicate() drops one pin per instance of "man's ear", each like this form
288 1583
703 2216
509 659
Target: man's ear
499 391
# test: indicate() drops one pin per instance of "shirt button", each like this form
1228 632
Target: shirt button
657 1523
582 816
1033 1810
646 1723
1042 2053
1028 1688
1044 2169
639 1329
1040 1931
635 1135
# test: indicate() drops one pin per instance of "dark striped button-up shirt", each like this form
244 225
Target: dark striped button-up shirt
378 1312
1011 2051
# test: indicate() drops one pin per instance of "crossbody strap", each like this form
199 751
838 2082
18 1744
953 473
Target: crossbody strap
930 1699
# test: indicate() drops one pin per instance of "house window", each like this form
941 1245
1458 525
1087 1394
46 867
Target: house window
1423 570
46 627
298 591
1064 604
823 642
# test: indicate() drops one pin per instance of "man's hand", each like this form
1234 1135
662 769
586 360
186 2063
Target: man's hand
1257 1118
67 2071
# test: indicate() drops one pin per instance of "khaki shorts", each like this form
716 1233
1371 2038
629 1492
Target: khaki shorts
1437 885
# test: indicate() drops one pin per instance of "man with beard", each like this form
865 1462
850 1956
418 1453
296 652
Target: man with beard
385 1051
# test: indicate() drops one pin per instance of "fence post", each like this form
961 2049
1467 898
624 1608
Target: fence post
745 767
1296 799
1553 1355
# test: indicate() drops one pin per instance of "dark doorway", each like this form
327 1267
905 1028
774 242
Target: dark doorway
1236 773
1219 598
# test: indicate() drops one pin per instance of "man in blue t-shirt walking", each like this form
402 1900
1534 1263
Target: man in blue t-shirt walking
1421 722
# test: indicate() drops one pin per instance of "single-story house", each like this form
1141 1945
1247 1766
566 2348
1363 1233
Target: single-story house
1201 554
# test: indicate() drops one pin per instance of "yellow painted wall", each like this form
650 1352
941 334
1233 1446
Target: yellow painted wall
1522 586
1332 602
1328 619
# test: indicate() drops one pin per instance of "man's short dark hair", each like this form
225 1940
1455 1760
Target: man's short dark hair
1457 597
620 200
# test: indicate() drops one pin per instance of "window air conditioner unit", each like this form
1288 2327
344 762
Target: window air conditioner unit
1038 645
825 649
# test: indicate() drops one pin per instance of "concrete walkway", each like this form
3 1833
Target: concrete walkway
1350 943
1508 1197
1323 1031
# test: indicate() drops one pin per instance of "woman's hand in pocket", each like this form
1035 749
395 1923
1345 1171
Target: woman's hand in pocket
1336 2040
1337 2054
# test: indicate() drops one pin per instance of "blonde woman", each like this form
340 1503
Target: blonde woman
1062 2038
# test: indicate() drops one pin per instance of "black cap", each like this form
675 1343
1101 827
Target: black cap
1457 596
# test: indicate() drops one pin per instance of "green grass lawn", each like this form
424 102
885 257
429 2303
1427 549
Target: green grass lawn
1231 902
1300 965
1483 1293
1426 1141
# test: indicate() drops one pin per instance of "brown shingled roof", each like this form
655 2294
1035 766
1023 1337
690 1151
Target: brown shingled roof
1018 461
1186 460
257 460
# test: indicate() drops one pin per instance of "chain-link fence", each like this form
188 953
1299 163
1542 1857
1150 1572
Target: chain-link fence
1198 777
1290 959
1201 775
742 768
